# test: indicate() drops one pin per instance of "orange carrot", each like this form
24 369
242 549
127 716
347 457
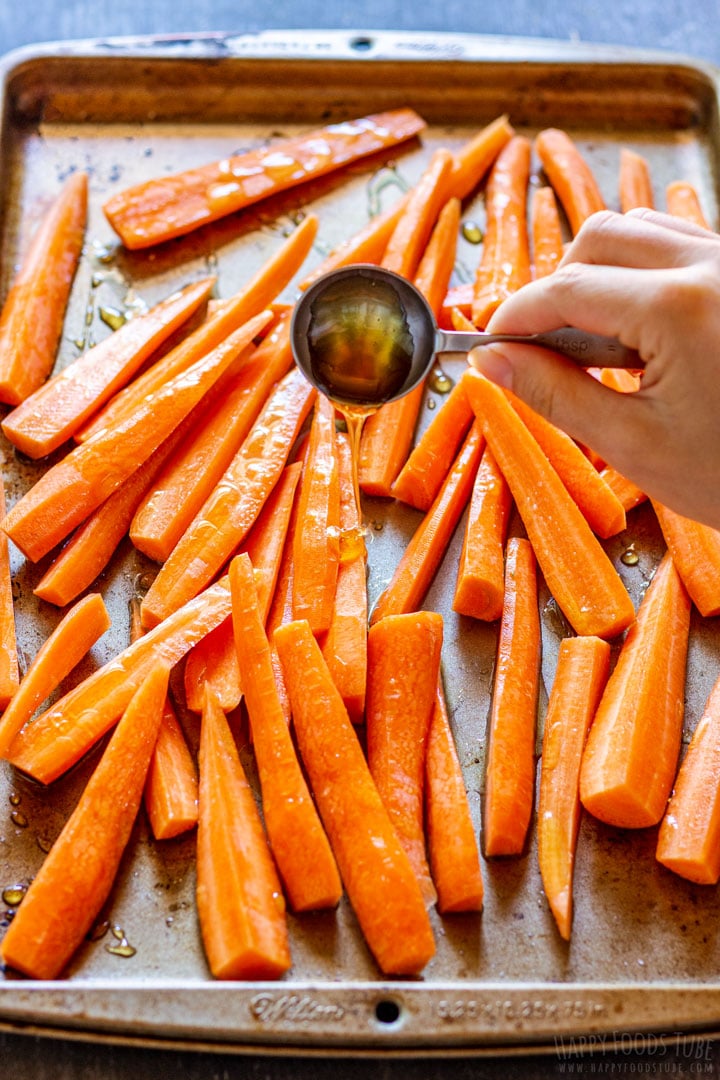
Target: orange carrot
51 415
367 245
580 676
695 550
239 896
505 261
420 212
9 671
598 503
474 158
422 475
32 316
345 644
259 293
627 492
452 846
458 297
232 508
197 466
169 206
689 835
683 201
375 869
403 669
635 184
60 736
214 659
480 583
75 880
171 788
570 176
632 750
422 556
297 839
546 232
510 768
578 572
70 490
71 639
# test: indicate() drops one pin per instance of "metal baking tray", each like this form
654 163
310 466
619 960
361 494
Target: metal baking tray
644 952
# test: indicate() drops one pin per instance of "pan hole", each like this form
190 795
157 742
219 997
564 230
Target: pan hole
387 1012
361 44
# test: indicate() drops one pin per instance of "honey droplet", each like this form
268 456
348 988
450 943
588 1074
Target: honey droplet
112 317
123 948
440 381
13 895
630 557
352 545
15 799
18 818
431 403
103 253
472 232
385 178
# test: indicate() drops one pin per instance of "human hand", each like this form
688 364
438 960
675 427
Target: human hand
653 281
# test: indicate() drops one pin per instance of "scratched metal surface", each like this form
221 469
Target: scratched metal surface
644 951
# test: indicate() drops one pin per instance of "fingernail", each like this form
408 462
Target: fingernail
491 361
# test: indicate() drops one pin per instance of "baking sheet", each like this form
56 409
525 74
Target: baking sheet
644 953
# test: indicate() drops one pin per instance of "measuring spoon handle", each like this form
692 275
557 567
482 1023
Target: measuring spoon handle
586 350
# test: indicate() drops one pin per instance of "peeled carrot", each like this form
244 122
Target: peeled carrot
629 494
73 883
32 316
403 669
632 750
9 671
683 200
458 297
316 552
505 261
60 736
580 676
570 176
169 206
230 511
635 184
578 572
422 475
51 415
297 839
374 867
423 554
424 203
171 788
546 232
695 550
345 644
510 767
70 490
474 158
239 896
452 845
367 245
689 835
71 639
480 582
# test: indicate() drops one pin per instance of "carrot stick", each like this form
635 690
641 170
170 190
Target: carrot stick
51 415
632 750
423 554
73 883
302 852
546 232
214 659
695 550
169 206
9 671
635 184
682 200
689 834
578 572
458 297
452 847
367 245
420 212
345 644
580 676
70 490
32 316
403 669
570 176
388 434
60 736
474 158
598 503
510 769
374 867
257 295
505 262
71 639
197 466
627 492
422 475
480 582
232 508
239 896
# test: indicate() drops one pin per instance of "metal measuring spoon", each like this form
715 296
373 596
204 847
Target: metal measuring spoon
329 302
